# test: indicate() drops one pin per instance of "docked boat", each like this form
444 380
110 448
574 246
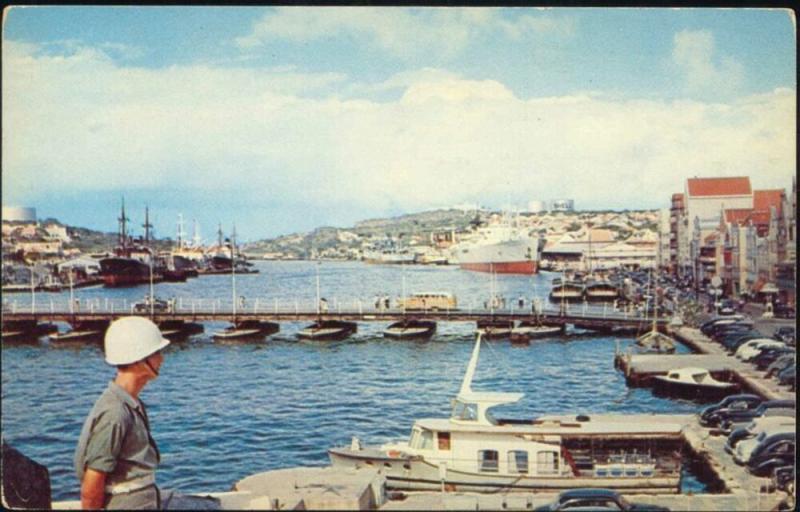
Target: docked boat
390 256
500 248
495 329
247 329
655 342
410 329
324 330
695 383
567 290
132 263
473 451
124 270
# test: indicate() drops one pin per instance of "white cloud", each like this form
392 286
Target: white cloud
693 53
405 33
83 123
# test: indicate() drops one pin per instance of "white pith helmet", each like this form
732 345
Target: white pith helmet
132 339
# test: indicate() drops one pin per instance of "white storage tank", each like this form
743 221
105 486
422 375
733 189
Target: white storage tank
19 214
536 206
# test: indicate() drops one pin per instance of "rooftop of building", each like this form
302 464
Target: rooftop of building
704 187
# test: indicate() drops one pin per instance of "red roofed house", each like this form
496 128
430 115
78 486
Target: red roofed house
705 201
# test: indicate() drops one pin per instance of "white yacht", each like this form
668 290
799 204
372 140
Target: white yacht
473 451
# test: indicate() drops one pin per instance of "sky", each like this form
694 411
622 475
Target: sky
281 119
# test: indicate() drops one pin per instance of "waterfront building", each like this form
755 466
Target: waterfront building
678 248
664 238
721 227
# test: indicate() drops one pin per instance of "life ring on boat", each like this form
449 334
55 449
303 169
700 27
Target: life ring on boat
393 454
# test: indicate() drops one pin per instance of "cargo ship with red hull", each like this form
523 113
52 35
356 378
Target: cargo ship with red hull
501 249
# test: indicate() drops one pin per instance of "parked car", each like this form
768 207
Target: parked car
752 348
768 355
707 326
783 311
595 499
787 377
780 364
746 447
772 452
727 307
734 340
785 334
785 477
730 418
158 305
729 330
755 428
711 415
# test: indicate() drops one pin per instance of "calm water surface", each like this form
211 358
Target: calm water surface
221 412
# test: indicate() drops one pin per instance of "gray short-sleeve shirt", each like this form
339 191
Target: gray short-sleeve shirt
116 439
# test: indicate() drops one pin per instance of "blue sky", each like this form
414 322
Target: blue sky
282 119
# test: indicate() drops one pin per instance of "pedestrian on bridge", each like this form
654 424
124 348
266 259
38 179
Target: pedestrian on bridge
117 457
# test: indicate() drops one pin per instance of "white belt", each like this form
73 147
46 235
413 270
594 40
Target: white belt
132 485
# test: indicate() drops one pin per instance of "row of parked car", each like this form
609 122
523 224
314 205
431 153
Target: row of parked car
774 355
761 434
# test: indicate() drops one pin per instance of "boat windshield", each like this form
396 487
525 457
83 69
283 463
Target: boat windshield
464 411
699 377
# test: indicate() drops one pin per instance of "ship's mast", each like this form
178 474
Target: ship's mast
195 234
147 226
181 233
233 270
219 238
123 233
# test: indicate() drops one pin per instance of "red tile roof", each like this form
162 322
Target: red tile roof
739 186
763 199
737 215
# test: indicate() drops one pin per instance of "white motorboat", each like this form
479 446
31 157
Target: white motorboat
473 451
693 383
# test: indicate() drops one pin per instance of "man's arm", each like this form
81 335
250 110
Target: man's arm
93 489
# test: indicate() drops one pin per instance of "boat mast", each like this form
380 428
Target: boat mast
180 231
195 234
233 270
403 268
491 288
466 385
123 233
318 297
147 226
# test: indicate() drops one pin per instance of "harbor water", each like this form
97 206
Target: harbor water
222 411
